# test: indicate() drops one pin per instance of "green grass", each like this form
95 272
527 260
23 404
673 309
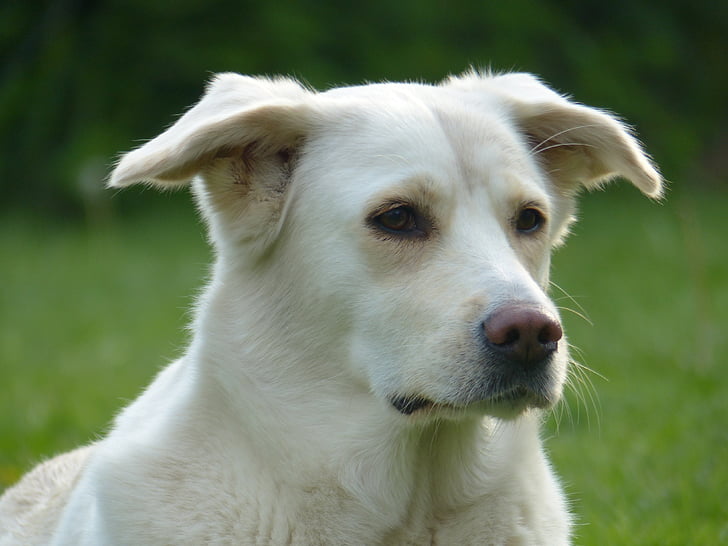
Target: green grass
89 316
649 463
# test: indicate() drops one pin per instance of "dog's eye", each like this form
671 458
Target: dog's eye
398 219
529 220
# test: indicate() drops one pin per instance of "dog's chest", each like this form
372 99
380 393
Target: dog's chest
324 520
476 524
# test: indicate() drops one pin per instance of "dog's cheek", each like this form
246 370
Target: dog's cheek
411 335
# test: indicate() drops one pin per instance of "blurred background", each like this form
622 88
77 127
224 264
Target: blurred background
95 285
82 79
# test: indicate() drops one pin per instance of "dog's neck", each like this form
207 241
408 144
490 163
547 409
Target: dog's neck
346 439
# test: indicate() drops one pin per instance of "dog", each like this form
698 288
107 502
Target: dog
372 357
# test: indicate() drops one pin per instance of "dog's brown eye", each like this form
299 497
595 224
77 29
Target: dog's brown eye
529 220
399 219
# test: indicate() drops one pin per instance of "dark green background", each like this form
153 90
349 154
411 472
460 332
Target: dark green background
84 80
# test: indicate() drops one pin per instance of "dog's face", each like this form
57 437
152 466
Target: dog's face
407 228
438 222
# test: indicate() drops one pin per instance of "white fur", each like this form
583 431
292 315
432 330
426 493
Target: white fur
277 426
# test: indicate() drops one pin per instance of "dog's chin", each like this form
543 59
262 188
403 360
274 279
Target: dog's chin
504 405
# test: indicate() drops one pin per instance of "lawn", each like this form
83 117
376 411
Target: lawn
90 315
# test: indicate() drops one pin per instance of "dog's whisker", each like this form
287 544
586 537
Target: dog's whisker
575 351
582 312
577 313
537 148
583 368
580 382
564 145
558 412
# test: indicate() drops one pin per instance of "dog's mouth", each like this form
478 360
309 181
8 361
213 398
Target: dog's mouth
515 400
407 405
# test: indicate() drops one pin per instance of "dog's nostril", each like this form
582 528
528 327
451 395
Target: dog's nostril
511 336
551 332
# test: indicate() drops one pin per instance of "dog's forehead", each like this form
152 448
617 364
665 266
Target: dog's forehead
393 132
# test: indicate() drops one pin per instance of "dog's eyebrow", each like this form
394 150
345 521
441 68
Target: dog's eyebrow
422 192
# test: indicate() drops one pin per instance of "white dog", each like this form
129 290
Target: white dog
371 358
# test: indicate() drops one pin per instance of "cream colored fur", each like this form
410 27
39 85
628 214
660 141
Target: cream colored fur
279 424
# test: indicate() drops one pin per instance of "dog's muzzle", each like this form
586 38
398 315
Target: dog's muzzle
519 342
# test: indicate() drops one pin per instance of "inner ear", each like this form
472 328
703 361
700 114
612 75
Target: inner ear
567 161
244 176
249 157
242 192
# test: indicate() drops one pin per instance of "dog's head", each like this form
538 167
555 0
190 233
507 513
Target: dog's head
397 235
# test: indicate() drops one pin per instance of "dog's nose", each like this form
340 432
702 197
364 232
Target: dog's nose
525 335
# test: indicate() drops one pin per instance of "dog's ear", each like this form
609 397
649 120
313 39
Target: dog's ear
577 145
237 116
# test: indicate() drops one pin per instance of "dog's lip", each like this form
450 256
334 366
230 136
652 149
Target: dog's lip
519 396
407 405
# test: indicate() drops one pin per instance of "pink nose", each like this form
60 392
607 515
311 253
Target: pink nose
524 334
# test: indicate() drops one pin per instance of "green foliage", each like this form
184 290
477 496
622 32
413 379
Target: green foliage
81 81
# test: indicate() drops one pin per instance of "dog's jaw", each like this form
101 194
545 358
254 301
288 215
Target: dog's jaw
509 404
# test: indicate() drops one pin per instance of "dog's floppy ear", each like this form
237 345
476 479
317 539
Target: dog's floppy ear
577 145
237 113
